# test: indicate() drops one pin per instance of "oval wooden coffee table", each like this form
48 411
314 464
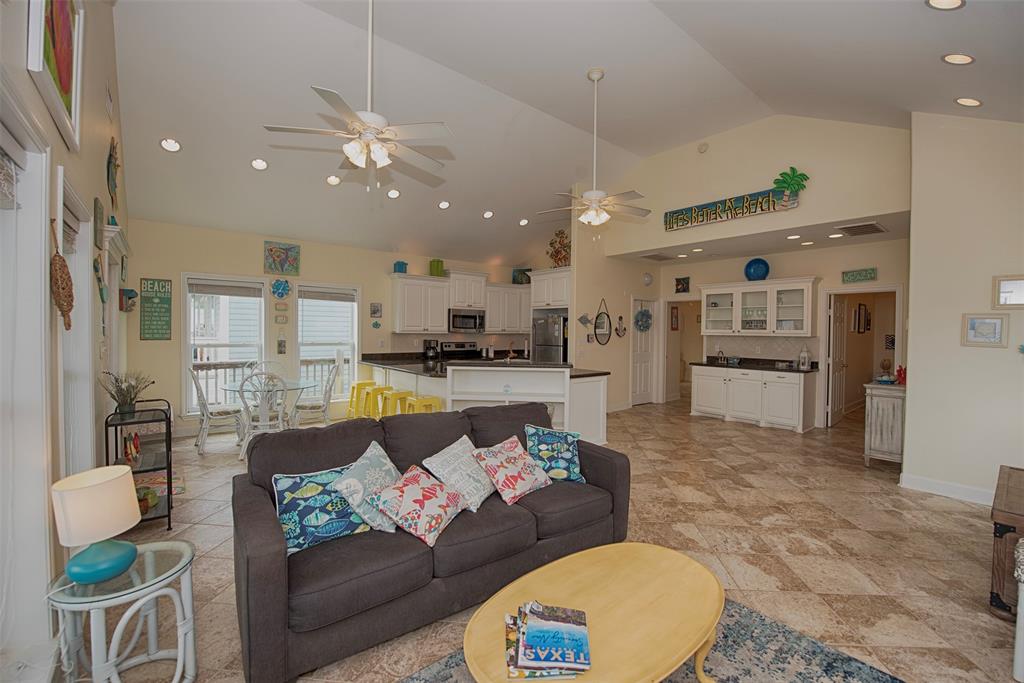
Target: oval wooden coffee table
649 609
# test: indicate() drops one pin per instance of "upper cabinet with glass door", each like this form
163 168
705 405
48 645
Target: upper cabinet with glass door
782 308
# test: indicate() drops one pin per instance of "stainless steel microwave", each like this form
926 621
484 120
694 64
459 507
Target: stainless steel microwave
465 320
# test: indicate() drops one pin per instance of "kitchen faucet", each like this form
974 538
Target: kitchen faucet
511 351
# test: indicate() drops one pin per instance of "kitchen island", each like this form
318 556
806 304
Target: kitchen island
576 398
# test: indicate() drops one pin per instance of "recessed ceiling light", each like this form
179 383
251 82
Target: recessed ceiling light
170 144
488 214
443 205
806 244
681 255
333 180
957 58
792 237
968 102
945 4
697 250
523 221
836 235
394 194
259 164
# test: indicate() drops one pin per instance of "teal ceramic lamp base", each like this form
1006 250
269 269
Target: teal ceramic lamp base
101 561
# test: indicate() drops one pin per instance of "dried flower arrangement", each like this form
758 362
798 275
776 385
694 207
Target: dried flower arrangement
126 388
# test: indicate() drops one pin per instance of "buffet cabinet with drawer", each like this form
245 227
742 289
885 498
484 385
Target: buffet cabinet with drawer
763 397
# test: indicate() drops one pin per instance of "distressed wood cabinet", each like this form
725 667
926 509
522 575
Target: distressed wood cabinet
883 422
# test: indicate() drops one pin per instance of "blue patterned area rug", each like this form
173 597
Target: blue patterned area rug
750 648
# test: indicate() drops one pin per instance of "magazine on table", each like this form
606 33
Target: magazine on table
552 637
511 648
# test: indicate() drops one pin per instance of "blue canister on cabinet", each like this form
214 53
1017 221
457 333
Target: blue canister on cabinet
401 267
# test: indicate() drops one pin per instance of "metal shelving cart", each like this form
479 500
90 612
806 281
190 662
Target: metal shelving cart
154 452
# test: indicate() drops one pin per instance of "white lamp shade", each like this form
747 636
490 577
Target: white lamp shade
95 505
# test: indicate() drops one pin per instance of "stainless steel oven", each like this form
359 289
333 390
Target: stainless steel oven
465 320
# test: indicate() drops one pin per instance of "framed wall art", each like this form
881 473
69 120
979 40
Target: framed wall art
376 310
280 258
56 29
985 330
1008 291
682 285
674 318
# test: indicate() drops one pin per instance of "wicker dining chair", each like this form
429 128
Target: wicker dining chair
214 417
264 396
319 407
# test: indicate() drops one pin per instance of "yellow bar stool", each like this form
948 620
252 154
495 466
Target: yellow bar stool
371 407
391 402
425 404
357 395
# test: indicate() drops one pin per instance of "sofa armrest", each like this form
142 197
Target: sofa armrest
609 470
261 582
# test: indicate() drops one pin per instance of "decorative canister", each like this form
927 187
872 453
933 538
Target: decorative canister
401 267
437 267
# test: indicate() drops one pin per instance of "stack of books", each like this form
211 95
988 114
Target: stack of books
542 641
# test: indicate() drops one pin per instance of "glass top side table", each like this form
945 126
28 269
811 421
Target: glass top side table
157 566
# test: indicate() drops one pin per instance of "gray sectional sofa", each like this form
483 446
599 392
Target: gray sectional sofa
299 612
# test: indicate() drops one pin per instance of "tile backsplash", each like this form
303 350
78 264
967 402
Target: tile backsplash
778 348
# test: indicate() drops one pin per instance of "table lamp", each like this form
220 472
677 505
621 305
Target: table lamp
91 508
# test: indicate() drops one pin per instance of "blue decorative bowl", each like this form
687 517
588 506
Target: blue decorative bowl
756 269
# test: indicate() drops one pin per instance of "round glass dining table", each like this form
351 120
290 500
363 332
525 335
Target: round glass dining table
263 422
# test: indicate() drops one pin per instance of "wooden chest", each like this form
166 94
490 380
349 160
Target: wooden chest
1008 527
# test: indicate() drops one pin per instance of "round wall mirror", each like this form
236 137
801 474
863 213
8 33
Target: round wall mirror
602 328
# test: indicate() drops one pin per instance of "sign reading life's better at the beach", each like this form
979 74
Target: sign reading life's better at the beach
154 309
784 195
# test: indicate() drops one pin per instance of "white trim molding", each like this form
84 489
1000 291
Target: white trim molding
970 494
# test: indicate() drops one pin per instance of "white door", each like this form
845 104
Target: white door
836 361
436 304
744 398
643 359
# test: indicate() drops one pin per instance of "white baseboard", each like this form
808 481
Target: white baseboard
619 406
853 406
970 494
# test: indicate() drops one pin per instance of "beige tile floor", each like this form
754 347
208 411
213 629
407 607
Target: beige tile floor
794 526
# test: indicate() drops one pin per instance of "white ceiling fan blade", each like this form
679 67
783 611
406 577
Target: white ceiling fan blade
631 210
311 131
564 208
415 158
626 196
337 104
418 131
568 194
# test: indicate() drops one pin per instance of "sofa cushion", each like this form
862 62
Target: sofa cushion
333 581
457 468
494 424
311 511
563 507
295 451
495 531
556 451
411 438
367 475
512 470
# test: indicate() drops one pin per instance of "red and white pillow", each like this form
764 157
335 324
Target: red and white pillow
512 470
420 504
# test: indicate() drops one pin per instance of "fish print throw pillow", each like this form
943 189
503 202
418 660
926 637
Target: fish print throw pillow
457 468
419 504
311 511
557 452
511 469
369 474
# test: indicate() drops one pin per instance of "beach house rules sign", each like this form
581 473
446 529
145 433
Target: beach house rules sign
785 194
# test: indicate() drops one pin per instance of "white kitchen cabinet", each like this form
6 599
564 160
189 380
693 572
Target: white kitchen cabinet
782 308
507 309
420 304
763 397
883 422
551 288
467 289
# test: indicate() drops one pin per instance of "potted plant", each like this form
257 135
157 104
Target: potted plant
125 389
791 183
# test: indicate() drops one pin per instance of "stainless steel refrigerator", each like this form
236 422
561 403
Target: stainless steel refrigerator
550 339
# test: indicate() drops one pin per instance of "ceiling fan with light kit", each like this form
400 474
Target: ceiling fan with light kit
596 205
372 140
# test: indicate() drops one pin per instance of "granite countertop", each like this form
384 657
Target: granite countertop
517 363
421 367
413 364
764 364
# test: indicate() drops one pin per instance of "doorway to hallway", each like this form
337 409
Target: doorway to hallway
683 345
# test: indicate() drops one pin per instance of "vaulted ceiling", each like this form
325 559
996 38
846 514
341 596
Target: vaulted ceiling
508 76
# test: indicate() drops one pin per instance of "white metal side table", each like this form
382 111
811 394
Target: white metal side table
148 579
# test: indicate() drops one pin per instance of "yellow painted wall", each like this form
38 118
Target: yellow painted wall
166 251
856 170
965 405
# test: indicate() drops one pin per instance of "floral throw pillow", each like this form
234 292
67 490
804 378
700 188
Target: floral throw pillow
457 468
311 511
557 452
369 474
419 504
512 470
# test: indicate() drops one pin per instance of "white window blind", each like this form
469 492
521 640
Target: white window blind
327 322
225 287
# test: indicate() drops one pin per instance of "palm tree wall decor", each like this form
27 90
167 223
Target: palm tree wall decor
791 182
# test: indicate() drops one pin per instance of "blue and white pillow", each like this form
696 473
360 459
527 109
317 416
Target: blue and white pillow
371 473
556 452
311 511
